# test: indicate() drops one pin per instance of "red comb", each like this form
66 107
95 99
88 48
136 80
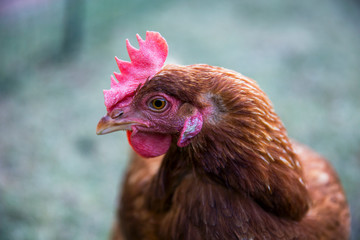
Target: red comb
145 63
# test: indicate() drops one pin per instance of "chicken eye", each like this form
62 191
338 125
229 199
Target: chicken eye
158 104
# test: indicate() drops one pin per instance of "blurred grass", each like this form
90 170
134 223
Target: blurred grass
58 180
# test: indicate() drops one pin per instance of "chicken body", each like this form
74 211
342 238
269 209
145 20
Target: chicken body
218 213
240 177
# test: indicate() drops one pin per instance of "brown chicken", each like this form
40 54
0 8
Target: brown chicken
217 162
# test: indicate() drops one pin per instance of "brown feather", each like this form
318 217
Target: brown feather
240 177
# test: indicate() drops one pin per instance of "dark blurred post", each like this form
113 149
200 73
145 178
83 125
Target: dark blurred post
73 27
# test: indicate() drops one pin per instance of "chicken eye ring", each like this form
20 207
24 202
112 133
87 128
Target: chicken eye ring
158 104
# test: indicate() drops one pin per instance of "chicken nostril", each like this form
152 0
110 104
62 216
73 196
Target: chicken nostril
116 113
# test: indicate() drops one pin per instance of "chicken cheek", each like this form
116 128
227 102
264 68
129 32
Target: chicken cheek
149 144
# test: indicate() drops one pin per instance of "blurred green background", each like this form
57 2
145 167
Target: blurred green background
58 180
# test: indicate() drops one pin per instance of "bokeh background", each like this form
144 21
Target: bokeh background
58 180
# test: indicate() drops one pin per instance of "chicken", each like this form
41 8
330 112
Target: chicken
213 160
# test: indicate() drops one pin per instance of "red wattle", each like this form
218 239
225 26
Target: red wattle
128 134
149 144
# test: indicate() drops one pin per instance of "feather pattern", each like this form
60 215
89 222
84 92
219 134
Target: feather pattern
240 177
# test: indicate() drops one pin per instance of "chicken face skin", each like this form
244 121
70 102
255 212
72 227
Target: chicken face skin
152 120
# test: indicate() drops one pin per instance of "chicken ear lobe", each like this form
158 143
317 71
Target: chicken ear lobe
192 126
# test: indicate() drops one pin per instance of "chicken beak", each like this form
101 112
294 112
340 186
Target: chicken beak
109 125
